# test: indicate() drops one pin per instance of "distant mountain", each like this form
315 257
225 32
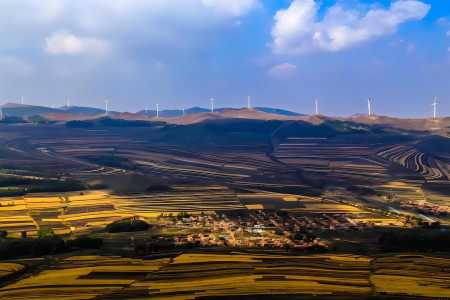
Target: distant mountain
171 113
13 111
82 110
111 122
277 111
24 110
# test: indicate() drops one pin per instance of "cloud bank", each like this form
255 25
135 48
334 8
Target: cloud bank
90 26
298 29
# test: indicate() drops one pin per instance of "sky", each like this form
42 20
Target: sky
179 54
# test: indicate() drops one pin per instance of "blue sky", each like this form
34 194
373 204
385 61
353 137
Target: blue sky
284 53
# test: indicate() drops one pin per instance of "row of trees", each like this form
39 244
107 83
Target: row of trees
415 240
47 243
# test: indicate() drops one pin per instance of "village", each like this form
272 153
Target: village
257 229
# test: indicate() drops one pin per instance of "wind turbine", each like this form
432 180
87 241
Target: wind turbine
106 107
67 103
157 110
182 112
1 113
316 102
435 103
369 107
212 104
249 104
22 100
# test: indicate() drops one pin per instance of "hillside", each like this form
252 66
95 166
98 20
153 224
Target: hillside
440 126
24 110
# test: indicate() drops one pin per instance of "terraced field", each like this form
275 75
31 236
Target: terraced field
74 212
195 275
325 156
90 148
412 275
182 198
9 268
412 159
403 191
62 213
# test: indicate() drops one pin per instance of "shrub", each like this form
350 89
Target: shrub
11 248
46 233
415 240
46 246
127 226
85 242
183 215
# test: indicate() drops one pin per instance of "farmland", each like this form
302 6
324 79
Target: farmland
138 172
233 208
8 269
412 159
73 212
236 274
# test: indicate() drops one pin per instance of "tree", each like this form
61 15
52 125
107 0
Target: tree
46 233
127 226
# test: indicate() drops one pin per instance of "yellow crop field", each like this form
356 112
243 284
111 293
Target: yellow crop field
328 207
77 211
192 275
381 222
411 285
7 269
254 206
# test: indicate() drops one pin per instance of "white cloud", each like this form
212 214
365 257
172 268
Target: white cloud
69 44
298 30
442 22
123 22
282 70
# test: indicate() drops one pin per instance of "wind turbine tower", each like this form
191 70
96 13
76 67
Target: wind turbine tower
249 103
106 107
369 107
316 102
67 103
157 110
435 103
1 113
212 104
182 111
22 100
